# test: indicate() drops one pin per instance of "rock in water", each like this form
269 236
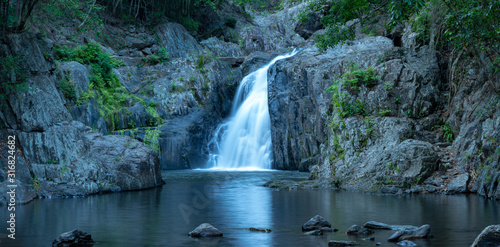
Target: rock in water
421 232
259 229
314 233
334 243
315 223
490 236
407 243
205 230
358 230
73 239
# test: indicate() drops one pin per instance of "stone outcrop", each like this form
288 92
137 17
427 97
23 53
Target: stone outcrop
389 145
55 155
490 236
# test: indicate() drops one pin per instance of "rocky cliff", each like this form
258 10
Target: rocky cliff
56 156
384 125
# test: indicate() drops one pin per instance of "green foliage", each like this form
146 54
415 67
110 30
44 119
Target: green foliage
105 86
447 132
64 167
160 57
101 63
337 13
84 12
68 89
355 77
350 82
473 24
339 151
36 184
190 24
12 76
385 112
151 139
230 22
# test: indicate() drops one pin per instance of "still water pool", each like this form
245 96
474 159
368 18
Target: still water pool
233 201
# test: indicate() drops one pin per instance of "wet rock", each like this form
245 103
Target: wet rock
383 226
314 233
458 184
421 232
369 239
358 230
489 237
328 229
259 229
407 243
73 239
337 243
205 230
315 223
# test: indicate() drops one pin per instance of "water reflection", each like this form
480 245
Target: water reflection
234 201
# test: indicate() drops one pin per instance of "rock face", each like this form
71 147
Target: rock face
490 236
57 156
205 230
385 147
73 239
315 223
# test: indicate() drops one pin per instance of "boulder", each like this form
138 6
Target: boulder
358 230
205 230
315 223
489 237
421 232
75 238
458 184
338 243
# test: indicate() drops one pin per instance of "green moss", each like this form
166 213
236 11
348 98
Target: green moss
151 138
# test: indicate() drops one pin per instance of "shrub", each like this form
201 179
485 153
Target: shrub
190 24
68 89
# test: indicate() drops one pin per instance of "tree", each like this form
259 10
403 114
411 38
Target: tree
14 14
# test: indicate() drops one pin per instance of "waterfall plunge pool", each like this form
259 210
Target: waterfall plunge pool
235 200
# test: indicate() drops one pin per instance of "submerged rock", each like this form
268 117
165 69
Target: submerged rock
314 233
335 243
259 229
358 230
205 230
407 243
489 237
73 238
421 232
315 223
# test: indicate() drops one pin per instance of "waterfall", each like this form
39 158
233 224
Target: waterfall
244 140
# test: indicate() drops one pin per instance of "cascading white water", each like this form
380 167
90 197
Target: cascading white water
244 140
